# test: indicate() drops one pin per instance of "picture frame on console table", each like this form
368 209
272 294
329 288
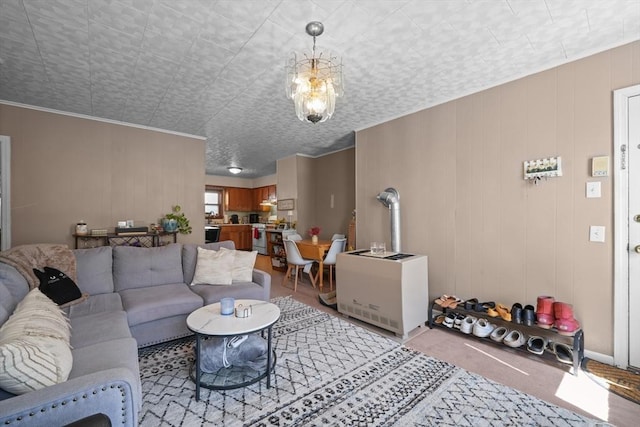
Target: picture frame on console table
285 205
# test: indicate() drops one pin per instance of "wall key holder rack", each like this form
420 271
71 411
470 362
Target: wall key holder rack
542 168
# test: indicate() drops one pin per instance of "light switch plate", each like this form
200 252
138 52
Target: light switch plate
596 233
594 190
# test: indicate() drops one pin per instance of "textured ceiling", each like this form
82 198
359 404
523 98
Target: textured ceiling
216 68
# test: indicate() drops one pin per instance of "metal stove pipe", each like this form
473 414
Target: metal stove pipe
390 198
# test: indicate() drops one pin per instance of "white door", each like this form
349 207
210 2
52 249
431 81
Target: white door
634 231
626 342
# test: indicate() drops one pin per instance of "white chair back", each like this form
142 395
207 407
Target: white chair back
293 253
294 237
336 247
337 236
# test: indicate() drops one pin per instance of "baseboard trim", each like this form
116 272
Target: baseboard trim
602 358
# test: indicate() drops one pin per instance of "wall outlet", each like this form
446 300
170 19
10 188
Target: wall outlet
596 233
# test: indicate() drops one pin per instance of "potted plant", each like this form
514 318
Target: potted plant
176 221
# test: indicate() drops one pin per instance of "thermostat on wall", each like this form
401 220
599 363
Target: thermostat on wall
600 166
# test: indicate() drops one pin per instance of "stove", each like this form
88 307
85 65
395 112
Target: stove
259 237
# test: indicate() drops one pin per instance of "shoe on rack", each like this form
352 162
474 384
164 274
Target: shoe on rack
563 352
514 339
499 333
483 328
536 345
516 313
448 321
440 319
567 327
484 306
562 310
491 311
544 312
528 315
467 324
458 321
504 312
470 304
445 301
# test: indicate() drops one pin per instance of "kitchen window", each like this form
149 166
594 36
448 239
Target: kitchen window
213 202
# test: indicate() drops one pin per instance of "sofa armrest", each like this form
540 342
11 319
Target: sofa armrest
110 392
263 279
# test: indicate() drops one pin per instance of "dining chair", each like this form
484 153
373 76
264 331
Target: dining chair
337 236
295 237
294 259
330 258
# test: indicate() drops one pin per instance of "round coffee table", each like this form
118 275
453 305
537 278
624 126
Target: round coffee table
208 322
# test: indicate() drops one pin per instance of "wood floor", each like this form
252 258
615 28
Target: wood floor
548 382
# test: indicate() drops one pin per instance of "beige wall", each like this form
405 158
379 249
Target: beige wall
335 176
311 182
65 169
488 233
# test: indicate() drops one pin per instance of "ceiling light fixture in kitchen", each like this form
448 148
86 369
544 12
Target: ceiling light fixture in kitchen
234 170
314 80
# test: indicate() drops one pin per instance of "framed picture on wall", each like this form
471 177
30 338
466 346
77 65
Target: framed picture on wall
285 205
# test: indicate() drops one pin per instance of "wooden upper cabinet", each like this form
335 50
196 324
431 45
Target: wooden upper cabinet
239 199
247 199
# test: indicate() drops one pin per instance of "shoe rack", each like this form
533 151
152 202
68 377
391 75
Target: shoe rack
575 342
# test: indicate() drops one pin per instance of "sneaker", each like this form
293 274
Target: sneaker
467 324
483 328
448 321
499 333
514 339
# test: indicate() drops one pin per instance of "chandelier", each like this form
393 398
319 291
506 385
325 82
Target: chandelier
314 80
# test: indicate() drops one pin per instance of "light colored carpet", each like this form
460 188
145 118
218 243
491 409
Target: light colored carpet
332 372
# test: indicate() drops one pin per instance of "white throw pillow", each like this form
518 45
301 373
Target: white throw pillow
213 267
36 315
33 363
243 264
34 345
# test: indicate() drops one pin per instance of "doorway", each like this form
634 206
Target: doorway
627 227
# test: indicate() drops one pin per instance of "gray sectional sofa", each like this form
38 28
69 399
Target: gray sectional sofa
137 297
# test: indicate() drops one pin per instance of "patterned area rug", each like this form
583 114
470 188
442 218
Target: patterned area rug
331 372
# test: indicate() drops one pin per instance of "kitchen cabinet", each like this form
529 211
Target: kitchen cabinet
239 234
261 194
238 199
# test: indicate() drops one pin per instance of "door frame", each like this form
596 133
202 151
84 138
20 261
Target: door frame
621 226
5 210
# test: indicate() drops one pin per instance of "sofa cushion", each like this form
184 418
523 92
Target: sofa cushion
214 293
94 328
95 270
214 267
7 303
96 304
190 256
243 263
135 267
157 302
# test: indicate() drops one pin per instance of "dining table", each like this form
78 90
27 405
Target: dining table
315 251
